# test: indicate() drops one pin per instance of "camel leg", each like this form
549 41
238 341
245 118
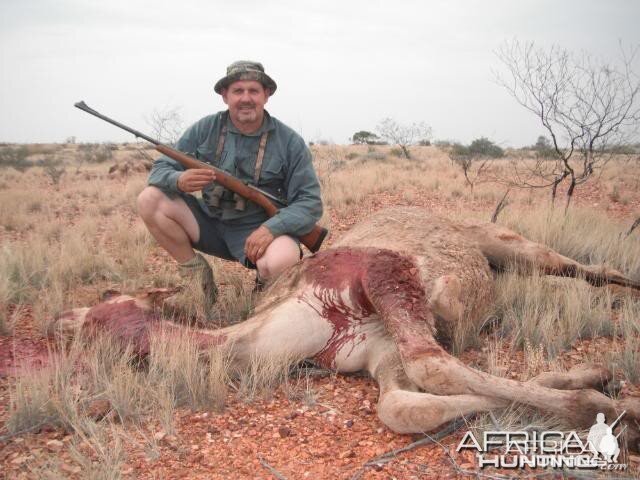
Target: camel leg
452 322
404 409
503 247
579 377
409 320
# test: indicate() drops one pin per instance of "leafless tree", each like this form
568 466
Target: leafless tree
403 135
473 160
471 165
166 124
585 105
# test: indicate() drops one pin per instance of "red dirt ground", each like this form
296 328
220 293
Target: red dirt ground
332 438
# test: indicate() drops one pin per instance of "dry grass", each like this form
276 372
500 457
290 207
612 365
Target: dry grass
99 451
261 374
548 312
583 235
47 396
188 376
625 358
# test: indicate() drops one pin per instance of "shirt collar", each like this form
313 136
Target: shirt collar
267 125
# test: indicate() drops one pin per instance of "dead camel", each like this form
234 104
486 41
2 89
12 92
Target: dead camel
379 301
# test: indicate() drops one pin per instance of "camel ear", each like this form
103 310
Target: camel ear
155 296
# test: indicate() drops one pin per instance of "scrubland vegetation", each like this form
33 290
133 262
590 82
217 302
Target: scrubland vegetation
65 241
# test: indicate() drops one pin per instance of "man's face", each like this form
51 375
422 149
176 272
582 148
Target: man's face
246 100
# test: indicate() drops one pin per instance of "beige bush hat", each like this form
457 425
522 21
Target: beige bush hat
245 70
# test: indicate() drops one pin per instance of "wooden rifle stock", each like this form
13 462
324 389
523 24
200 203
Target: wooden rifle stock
312 240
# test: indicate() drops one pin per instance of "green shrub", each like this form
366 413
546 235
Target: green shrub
96 153
486 148
15 157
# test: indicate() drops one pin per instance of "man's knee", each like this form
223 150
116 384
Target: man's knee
280 255
149 200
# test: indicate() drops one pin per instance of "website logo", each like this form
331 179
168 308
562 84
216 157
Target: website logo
549 449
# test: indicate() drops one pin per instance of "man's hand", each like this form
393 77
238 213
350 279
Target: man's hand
195 179
257 243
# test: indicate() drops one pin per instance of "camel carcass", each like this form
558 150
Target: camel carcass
384 299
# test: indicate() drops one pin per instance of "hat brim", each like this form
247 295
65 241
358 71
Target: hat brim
263 78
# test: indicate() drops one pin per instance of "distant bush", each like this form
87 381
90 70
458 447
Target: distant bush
396 152
624 149
444 144
365 137
485 148
424 143
54 172
351 155
544 148
42 149
96 153
375 155
15 157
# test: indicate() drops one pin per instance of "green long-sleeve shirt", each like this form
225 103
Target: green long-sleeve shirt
287 172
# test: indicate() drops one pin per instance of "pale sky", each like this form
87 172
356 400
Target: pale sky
341 66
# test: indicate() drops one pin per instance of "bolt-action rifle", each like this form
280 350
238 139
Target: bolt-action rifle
312 240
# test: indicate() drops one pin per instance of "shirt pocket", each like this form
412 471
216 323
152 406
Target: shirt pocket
272 179
207 155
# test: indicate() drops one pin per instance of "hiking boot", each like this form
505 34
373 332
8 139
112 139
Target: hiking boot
199 293
259 285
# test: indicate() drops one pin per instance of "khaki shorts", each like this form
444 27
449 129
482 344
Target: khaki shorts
222 239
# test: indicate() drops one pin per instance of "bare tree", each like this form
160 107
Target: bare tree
166 124
586 106
474 159
403 135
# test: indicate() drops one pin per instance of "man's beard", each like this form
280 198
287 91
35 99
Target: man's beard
247 115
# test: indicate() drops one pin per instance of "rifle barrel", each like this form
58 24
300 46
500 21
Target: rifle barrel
83 106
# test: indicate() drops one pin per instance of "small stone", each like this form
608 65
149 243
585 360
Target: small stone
55 445
98 409
158 436
348 423
284 432
347 454
65 467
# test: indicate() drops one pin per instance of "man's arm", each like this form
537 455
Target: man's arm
165 171
303 194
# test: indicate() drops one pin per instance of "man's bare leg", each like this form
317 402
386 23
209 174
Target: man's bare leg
282 253
170 222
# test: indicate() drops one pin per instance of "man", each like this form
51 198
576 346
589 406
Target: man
250 144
